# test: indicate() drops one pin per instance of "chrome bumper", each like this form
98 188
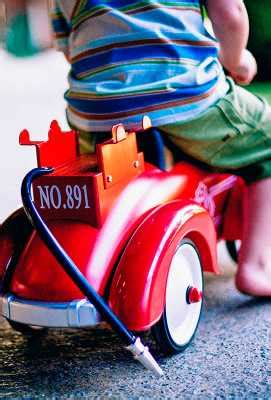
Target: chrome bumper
74 314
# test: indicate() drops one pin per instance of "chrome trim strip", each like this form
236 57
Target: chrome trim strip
74 314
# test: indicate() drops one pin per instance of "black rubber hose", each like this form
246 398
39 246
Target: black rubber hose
65 261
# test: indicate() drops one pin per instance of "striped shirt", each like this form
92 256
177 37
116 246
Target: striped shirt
132 58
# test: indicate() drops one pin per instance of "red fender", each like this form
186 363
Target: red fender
137 292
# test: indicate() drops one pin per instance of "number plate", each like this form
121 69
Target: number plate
65 197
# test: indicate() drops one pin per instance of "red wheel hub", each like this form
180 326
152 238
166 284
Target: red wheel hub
194 295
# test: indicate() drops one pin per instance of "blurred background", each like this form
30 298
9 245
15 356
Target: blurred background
260 35
32 83
33 80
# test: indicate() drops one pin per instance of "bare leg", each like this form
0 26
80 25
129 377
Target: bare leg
254 271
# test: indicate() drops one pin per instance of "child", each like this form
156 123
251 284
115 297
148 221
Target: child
131 58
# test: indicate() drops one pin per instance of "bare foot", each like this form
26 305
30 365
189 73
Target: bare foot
255 279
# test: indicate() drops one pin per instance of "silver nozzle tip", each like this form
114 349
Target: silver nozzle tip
142 354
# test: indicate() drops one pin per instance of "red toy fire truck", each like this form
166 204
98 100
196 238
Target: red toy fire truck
111 237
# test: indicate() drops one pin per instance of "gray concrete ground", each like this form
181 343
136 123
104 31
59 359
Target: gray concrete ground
230 356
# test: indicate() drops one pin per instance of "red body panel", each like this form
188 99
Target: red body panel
234 212
39 276
95 250
137 293
7 248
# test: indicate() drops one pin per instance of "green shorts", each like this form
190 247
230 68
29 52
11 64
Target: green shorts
233 135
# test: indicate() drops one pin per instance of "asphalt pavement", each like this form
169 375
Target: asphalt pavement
228 359
230 355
